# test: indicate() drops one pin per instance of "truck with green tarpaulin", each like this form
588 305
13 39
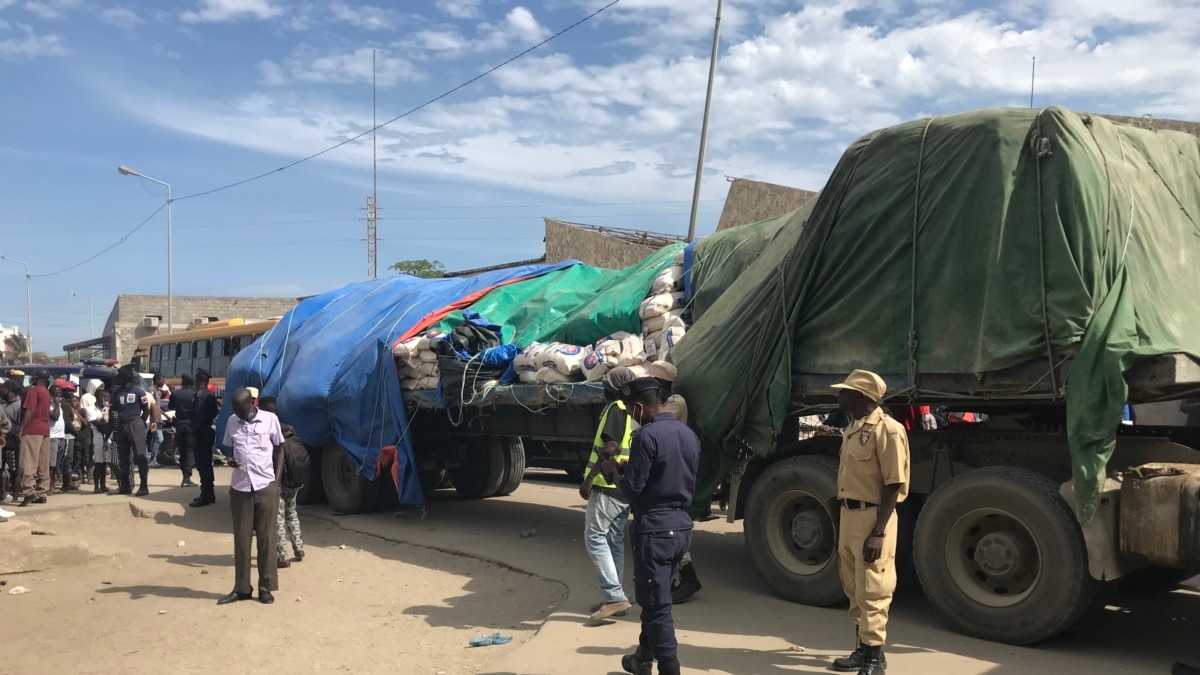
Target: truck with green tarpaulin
1038 266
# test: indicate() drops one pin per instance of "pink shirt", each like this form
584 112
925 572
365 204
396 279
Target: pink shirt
253 446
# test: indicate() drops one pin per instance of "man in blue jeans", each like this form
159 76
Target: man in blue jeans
607 510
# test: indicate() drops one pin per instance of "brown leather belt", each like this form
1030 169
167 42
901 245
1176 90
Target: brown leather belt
855 505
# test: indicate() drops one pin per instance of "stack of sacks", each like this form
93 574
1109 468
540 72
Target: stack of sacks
618 349
664 320
416 361
551 363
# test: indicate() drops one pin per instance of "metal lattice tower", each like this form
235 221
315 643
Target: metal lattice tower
372 229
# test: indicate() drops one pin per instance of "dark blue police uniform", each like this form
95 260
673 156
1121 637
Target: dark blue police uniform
127 403
659 481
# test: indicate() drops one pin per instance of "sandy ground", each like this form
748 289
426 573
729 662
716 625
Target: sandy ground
358 603
407 603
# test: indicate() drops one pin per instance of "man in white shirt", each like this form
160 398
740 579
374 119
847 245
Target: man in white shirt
256 440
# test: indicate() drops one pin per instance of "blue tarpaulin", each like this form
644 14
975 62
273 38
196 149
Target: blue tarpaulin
329 363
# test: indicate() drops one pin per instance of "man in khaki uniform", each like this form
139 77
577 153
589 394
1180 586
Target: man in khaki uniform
873 475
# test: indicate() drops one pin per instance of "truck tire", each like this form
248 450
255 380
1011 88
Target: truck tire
313 491
1000 554
347 490
791 530
484 471
514 465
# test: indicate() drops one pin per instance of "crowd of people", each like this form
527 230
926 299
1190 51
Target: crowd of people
52 438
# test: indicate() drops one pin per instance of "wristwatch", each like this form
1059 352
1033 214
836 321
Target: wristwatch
876 533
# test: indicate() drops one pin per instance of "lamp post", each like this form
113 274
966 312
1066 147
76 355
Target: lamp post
126 171
91 323
712 74
28 306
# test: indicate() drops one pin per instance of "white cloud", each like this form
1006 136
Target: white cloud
30 44
439 40
52 10
213 11
793 90
309 65
364 16
121 17
460 9
519 27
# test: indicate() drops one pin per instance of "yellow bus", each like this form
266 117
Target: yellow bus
209 346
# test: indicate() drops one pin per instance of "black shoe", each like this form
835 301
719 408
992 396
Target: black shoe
668 667
638 663
142 491
282 563
873 663
29 499
300 556
187 482
689 585
40 499
265 597
851 663
234 597
203 501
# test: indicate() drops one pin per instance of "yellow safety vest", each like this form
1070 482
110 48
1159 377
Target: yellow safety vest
622 449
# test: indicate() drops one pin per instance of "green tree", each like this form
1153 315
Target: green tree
423 268
18 347
40 358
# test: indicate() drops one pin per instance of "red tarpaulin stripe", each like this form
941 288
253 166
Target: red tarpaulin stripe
387 459
462 303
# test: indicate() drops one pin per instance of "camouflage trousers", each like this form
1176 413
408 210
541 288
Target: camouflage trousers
289 523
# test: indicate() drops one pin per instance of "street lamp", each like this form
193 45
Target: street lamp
28 306
126 171
91 323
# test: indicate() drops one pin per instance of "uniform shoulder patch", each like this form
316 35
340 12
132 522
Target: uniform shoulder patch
864 436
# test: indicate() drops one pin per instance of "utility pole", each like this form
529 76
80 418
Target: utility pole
1032 80
712 73
372 215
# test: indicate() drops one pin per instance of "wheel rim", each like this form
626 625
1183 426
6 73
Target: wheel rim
801 533
993 558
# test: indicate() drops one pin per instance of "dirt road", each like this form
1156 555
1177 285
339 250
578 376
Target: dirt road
405 608
146 603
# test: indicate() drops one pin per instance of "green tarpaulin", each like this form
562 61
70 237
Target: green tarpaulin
577 305
966 244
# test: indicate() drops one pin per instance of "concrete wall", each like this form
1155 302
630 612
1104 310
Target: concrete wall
750 201
124 326
565 242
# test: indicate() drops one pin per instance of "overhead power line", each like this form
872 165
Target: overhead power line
110 247
405 113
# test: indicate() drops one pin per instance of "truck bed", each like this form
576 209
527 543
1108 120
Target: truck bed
532 397
1172 376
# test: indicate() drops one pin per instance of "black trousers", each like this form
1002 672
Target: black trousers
205 438
184 443
131 450
656 559
255 514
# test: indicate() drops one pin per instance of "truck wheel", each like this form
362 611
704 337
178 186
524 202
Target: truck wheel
313 491
482 474
791 532
1000 553
514 465
347 490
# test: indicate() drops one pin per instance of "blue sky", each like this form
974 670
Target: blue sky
599 126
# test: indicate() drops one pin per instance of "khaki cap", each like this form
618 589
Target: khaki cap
866 383
661 370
